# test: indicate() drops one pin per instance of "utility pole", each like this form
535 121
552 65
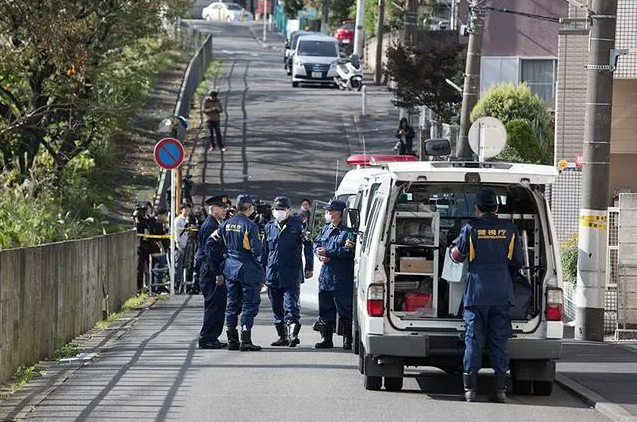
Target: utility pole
380 32
411 14
325 15
471 89
602 57
358 31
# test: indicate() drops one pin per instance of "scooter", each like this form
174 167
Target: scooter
349 74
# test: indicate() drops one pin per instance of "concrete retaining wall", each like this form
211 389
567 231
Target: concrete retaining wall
57 290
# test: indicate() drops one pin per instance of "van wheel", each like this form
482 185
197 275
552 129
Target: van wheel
393 384
295 84
521 388
542 388
373 383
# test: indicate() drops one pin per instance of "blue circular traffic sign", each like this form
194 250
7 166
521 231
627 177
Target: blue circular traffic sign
169 153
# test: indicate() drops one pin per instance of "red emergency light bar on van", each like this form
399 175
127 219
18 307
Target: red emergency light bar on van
372 160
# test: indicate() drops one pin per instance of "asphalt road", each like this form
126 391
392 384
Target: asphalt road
156 373
281 140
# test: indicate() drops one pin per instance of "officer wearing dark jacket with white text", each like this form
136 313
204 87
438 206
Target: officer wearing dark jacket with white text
211 256
285 239
494 251
336 282
243 272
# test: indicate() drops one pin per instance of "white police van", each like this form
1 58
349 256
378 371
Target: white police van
405 313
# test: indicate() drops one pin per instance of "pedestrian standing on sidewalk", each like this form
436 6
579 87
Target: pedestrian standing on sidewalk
284 242
336 281
213 108
210 255
405 135
243 272
495 252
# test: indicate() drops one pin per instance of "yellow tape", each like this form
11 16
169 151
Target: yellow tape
593 218
154 236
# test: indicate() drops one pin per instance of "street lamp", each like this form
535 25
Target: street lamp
453 85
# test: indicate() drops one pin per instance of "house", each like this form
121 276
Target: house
571 95
523 46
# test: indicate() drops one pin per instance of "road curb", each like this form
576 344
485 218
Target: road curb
602 405
265 44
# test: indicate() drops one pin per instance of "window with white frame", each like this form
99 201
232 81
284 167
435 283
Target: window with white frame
539 75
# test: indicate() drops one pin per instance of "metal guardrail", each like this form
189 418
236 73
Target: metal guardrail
190 38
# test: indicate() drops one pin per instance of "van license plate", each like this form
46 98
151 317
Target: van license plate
317 75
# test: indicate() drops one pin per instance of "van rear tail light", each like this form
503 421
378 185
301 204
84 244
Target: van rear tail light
376 300
554 304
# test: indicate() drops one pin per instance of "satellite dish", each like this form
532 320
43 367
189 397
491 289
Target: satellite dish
487 137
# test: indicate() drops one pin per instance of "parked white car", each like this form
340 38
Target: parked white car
228 12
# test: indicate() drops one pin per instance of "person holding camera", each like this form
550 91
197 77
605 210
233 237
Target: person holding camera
285 240
180 233
243 273
405 135
144 245
213 108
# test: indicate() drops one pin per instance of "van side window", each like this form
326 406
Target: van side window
369 228
372 194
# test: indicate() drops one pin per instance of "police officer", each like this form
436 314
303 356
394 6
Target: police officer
494 251
284 238
243 272
336 281
210 257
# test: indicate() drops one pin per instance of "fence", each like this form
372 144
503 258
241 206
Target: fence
60 290
190 38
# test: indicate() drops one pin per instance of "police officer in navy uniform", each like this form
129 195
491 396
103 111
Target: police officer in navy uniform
336 282
210 256
243 272
284 240
494 251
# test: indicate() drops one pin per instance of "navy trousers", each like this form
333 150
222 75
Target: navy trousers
285 304
490 324
215 298
333 302
243 298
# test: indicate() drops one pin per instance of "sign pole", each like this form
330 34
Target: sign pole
171 268
169 154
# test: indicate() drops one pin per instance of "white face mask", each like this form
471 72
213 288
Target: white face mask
280 215
328 217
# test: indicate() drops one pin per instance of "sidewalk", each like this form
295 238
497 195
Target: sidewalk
604 375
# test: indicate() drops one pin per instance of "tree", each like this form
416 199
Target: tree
420 74
55 72
526 119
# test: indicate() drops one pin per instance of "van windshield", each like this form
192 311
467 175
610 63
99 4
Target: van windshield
318 48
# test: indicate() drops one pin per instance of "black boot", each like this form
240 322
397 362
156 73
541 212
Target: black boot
246 342
327 330
499 384
233 338
317 326
294 334
470 386
282 331
347 336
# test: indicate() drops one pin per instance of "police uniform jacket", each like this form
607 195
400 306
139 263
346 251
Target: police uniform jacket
244 250
282 252
211 252
338 273
494 251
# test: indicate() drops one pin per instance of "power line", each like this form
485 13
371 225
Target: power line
528 15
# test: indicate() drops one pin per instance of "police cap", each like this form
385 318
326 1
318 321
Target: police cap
486 198
281 203
218 201
245 199
335 205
